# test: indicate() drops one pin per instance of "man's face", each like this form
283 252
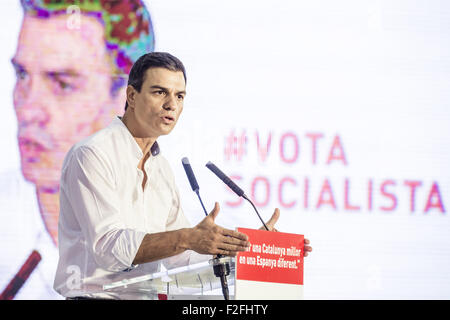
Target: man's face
62 93
159 104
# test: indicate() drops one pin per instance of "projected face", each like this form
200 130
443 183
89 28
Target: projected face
62 94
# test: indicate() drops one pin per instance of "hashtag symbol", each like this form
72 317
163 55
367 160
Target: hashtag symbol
235 146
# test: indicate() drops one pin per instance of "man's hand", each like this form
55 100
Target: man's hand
209 238
271 225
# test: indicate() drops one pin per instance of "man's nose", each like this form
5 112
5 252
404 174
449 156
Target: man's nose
171 103
29 102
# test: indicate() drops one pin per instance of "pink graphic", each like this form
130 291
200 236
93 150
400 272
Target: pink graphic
314 138
337 152
434 199
293 191
263 148
281 186
264 184
290 139
235 146
326 196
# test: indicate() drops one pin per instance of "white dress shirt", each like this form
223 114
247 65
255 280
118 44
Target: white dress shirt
105 214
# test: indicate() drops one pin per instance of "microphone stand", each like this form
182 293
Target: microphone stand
221 269
264 224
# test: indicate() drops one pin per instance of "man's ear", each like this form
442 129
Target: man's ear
130 96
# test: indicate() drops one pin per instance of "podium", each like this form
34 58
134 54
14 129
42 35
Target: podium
272 268
190 282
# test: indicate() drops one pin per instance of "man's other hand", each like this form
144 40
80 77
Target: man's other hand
209 238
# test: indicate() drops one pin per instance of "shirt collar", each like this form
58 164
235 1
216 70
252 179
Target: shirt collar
154 148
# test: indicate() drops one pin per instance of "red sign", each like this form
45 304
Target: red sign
272 257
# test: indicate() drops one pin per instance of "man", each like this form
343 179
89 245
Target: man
120 208
71 64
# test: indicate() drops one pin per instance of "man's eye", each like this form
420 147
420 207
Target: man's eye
64 86
180 97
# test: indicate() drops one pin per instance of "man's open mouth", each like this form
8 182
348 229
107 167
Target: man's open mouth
168 118
27 144
30 150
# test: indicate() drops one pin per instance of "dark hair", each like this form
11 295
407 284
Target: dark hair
152 60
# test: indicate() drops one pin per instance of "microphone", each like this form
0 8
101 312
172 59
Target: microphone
211 166
221 270
190 174
192 180
21 276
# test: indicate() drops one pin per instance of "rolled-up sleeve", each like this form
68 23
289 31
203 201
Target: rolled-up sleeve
90 187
